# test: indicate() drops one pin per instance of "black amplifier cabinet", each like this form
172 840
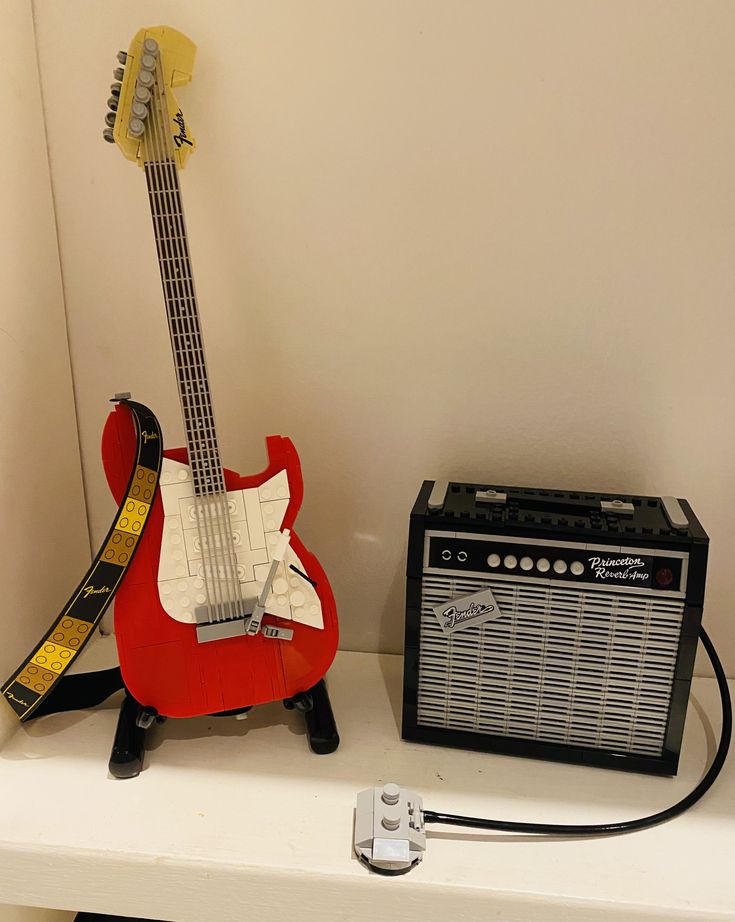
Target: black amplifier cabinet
552 624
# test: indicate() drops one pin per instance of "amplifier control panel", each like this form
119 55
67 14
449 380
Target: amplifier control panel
577 563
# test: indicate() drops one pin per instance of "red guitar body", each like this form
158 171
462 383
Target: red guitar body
163 664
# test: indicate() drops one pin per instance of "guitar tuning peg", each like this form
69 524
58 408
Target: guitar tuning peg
115 89
112 103
110 119
145 78
108 135
147 62
150 46
118 73
122 57
139 110
142 95
136 127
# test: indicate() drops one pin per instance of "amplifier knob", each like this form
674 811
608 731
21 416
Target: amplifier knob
493 560
526 563
510 561
577 568
560 566
542 565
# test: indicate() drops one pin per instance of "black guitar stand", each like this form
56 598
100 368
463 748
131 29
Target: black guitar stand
128 749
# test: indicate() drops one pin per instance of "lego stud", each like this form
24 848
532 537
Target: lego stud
118 73
122 57
391 818
112 103
115 88
108 135
139 110
145 78
147 62
110 119
391 794
142 95
150 46
136 127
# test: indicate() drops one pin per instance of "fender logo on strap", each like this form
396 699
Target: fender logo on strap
37 676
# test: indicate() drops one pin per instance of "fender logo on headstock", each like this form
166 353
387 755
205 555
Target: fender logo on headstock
181 137
148 436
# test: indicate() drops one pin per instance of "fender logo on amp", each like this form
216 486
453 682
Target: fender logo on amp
467 611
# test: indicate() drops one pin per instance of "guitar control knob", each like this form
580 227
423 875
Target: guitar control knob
136 127
112 103
115 89
122 57
118 73
110 119
108 136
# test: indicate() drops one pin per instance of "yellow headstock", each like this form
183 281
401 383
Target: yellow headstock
144 120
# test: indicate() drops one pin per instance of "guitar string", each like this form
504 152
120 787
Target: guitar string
190 394
218 502
202 453
163 244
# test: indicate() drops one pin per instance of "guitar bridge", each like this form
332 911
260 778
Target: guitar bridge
228 626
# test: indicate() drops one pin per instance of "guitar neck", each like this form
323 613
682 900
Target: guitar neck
181 309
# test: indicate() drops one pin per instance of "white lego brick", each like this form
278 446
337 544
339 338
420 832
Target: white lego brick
236 506
188 510
240 535
173 555
179 597
272 513
172 494
194 550
261 572
275 488
174 472
254 518
247 560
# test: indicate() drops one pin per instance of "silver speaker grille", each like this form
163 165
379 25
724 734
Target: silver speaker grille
572 665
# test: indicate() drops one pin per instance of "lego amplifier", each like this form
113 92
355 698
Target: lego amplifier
552 624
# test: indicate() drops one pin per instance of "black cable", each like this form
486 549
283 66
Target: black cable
608 829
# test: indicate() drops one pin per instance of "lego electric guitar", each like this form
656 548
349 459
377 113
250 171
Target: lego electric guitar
223 606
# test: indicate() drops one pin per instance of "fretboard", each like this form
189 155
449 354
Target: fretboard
183 322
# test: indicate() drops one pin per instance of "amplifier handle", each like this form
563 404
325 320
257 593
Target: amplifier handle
554 503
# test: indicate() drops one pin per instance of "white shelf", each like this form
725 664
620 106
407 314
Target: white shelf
237 820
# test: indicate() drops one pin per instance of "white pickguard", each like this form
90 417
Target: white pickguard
255 516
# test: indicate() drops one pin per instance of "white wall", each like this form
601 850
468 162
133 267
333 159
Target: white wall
480 240
45 544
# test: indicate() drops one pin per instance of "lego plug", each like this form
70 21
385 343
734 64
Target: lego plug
389 829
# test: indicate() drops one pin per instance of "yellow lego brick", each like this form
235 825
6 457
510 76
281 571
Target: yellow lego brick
119 548
70 632
53 658
37 678
132 517
143 485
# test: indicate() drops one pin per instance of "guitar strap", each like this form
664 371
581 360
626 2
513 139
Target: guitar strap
39 685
